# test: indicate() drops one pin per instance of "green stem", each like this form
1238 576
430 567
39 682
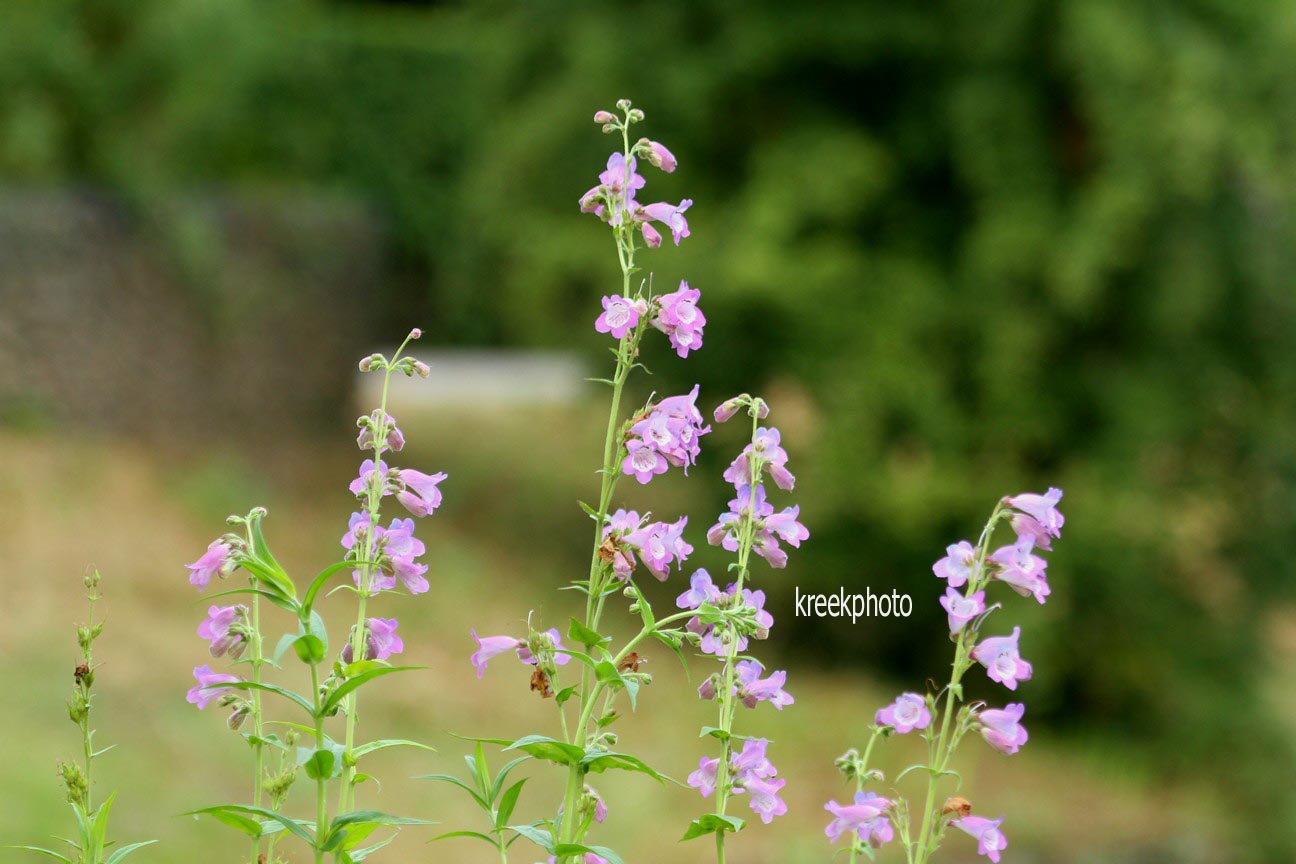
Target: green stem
321 784
861 772
257 748
87 743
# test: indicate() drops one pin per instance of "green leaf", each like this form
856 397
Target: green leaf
318 583
50 853
710 824
351 684
383 744
541 837
274 573
449 778
271 688
476 834
549 749
320 764
565 850
670 639
508 802
358 855
310 649
504 772
121 853
285 642
583 635
342 833
293 825
275 598
564 694
598 762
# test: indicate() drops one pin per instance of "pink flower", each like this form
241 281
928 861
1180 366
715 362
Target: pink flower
360 485
962 609
619 316
751 688
208 686
365 440
957 565
763 797
866 818
659 545
765 444
420 495
643 461
221 631
399 547
1042 508
1002 729
990 840
381 640
651 237
491 646
657 154
1021 569
1003 664
215 561
907 713
679 318
704 779
670 215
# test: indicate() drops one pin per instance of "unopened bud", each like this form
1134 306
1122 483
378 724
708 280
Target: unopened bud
636 116
604 117
609 129
729 407
422 369
623 104
416 333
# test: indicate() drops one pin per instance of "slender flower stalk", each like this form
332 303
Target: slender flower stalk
968 572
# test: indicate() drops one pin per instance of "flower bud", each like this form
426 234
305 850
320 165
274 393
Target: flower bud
623 104
728 408
708 688
636 116
422 369
604 117
609 129
416 333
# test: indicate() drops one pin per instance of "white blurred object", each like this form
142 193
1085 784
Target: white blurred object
475 378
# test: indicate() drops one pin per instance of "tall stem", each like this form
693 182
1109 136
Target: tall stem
87 743
321 783
359 638
258 748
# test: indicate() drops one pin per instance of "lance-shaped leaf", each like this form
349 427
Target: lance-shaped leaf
710 824
550 749
349 829
297 827
271 688
597 762
351 684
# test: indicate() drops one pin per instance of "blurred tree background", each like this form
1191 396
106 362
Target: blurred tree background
977 248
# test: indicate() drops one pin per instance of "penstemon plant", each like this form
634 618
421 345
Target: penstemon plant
726 620
379 559
871 820
662 434
91 845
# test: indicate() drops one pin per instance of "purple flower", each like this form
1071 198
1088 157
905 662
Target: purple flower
679 318
701 590
769 527
1021 569
764 798
958 564
751 762
1042 508
866 818
1028 528
215 561
765 444
362 483
1003 664
657 154
399 547
619 316
990 840
365 440
670 215
962 609
491 646
643 461
381 640
751 688
600 809
217 630
704 779
615 192
357 530
727 409
208 686
420 495
659 544
1002 729
651 236
907 713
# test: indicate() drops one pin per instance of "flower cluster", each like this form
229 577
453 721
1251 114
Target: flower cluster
749 771
866 818
540 649
613 198
748 507
628 536
379 557
968 570
665 433
724 619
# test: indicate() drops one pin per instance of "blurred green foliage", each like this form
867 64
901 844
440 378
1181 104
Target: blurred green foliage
997 246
